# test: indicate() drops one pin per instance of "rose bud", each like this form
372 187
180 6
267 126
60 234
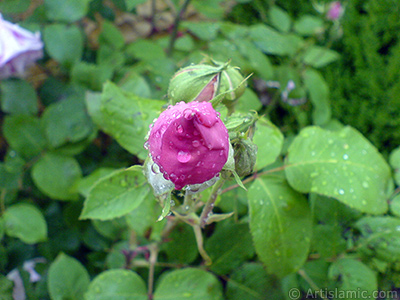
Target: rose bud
335 11
233 83
245 157
19 49
194 83
189 143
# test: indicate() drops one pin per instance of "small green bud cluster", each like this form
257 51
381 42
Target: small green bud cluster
205 81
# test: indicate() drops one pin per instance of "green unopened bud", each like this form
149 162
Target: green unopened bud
245 157
195 83
233 83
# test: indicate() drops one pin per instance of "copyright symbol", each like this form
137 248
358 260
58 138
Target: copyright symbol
294 294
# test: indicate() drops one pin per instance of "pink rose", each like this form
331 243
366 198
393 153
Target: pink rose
335 11
189 143
19 49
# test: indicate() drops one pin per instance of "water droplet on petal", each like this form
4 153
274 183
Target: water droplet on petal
179 129
146 145
183 156
195 143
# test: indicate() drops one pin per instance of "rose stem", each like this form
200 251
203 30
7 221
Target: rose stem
199 240
210 203
176 25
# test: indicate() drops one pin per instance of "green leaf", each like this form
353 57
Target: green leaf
127 117
352 275
93 104
316 272
271 41
111 35
269 140
181 247
248 101
333 212
67 279
251 282
209 8
55 176
394 161
380 237
18 97
205 31
328 241
116 194
6 288
135 84
64 43
319 57
85 184
144 216
2 228
280 19
117 285
309 25
67 121
319 96
395 205
131 4
66 10
258 60
145 50
24 134
229 246
280 223
91 76
14 7
111 229
188 283
26 222
339 164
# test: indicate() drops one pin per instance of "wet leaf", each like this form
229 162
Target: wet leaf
67 278
280 223
269 140
55 175
26 222
116 195
125 116
352 275
117 284
340 164
188 283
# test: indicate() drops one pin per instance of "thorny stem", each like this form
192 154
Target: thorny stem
153 16
200 247
2 205
176 26
152 263
307 278
210 203
188 201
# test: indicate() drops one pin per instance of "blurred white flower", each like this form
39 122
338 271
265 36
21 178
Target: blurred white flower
19 49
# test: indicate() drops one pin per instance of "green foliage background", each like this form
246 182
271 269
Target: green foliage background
365 89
